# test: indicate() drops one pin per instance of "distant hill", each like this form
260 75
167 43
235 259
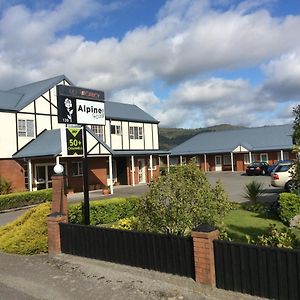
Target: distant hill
171 137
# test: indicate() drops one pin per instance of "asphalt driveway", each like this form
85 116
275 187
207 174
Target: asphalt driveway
233 184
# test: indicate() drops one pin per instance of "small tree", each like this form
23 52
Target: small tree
296 142
181 200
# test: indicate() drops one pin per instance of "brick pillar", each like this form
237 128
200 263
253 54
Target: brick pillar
59 196
53 220
203 237
58 214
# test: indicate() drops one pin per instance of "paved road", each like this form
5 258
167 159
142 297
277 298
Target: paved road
67 277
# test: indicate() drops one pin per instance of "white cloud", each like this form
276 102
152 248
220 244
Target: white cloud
190 40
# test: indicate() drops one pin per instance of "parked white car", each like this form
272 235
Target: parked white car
282 177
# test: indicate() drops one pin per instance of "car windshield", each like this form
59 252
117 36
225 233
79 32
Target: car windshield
282 168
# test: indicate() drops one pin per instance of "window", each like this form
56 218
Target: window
285 155
115 129
136 133
77 168
26 128
227 160
255 157
99 131
246 158
264 157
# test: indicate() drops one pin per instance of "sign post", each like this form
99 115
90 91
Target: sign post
80 106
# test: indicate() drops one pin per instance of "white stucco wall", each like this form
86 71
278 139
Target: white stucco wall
8 140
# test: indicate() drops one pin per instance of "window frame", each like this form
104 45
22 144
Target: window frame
136 132
26 129
225 157
99 130
115 129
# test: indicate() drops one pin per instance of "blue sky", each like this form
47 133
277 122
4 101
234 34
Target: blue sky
189 63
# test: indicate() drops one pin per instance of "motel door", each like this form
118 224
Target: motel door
142 173
218 163
43 173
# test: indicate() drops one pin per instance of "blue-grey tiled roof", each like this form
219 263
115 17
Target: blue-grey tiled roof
46 144
126 112
253 139
18 98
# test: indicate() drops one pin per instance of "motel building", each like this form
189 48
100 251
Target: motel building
234 150
122 151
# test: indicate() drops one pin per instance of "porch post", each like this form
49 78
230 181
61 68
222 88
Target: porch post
281 154
111 174
30 175
151 167
205 163
168 163
250 157
132 170
180 159
232 168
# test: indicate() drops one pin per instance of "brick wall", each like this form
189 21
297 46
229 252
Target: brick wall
13 172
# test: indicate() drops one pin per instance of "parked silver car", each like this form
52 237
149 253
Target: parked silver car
282 176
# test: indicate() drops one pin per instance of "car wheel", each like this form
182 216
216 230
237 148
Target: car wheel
291 185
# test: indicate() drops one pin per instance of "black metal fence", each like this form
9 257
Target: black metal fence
262 271
165 253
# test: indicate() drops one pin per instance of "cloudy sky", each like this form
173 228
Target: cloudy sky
189 63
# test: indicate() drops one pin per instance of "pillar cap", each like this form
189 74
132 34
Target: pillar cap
204 228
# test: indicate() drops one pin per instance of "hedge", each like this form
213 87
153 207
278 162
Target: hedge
28 233
289 206
21 199
104 211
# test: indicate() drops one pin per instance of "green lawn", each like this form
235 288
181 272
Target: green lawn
240 222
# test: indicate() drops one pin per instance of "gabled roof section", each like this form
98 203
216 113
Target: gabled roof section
48 143
9 100
30 92
96 137
126 112
253 139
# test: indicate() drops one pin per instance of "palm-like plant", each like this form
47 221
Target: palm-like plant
253 190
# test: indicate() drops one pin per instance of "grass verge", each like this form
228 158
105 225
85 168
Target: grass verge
240 222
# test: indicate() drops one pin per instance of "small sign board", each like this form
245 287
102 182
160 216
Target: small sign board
71 141
80 110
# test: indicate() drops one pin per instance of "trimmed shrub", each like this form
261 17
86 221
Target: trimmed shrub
104 211
24 199
289 206
181 200
28 233
5 186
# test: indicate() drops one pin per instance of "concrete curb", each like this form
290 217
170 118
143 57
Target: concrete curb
19 208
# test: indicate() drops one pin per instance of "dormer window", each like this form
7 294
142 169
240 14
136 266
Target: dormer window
26 128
